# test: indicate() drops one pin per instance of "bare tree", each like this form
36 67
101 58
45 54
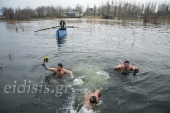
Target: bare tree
103 9
79 8
68 9
112 8
94 10
87 10
115 9
119 10
122 10
99 10
108 8
8 12
163 10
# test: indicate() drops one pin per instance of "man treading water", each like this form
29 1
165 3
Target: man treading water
63 25
59 70
92 98
125 68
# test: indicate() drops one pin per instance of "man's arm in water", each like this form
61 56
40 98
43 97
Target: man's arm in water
50 69
87 101
70 72
118 66
134 68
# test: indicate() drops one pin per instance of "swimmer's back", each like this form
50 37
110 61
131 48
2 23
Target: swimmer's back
97 93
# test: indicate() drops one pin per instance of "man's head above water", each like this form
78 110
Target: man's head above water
93 100
59 70
60 66
126 64
126 61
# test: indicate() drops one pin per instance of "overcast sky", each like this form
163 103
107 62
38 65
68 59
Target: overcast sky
35 3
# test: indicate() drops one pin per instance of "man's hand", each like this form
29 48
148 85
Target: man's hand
122 66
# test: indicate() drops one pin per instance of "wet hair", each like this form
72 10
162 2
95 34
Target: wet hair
126 61
93 100
60 64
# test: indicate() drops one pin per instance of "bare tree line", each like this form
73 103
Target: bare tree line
116 8
40 12
125 9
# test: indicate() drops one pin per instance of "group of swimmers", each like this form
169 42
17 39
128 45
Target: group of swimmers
92 98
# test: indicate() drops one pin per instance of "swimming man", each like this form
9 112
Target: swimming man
59 70
92 98
126 67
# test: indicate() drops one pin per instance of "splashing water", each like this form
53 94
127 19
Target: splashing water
91 77
78 82
85 110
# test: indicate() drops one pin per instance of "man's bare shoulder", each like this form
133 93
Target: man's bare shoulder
65 69
130 66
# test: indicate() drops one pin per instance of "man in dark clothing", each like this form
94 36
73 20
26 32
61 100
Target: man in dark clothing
63 25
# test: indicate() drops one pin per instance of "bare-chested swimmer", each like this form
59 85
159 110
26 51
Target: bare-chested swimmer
59 70
92 98
126 67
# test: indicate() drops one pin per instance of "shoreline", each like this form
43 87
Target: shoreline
158 21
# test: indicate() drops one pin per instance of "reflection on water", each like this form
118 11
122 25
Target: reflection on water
61 41
90 51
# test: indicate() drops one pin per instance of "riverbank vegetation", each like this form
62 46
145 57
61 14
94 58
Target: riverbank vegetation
119 9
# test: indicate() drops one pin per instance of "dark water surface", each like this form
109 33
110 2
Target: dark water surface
90 51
